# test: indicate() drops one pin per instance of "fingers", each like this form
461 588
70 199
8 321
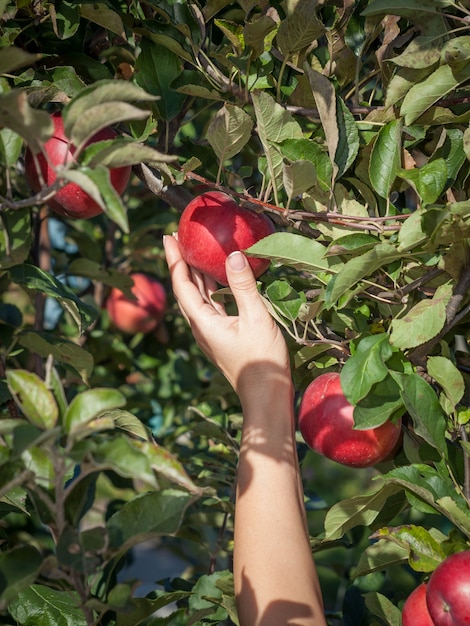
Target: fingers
192 289
242 283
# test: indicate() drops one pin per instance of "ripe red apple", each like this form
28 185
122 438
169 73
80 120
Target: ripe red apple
212 226
415 611
448 591
327 426
142 315
70 200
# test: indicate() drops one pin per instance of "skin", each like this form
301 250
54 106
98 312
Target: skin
275 577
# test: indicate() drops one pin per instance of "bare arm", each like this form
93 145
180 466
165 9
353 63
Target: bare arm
275 577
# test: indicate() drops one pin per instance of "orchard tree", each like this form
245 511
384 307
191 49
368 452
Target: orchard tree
347 125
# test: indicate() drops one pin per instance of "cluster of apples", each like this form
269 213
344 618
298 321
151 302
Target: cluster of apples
445 599
211 227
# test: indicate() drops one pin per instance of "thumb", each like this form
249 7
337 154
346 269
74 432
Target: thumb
242 283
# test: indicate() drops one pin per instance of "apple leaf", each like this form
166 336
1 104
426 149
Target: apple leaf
101 116
274 125
380 606
425 548
357 268
15 237
119 153
34 278
296 251
297 177
18 569
382 403
426 93
444 372
97 184
357 511
88 404
44 606
61 349
422 404
385 158
229 131
365 367
33 397
33 125
137 521
300 27
428 181
102 92
379 556
423 321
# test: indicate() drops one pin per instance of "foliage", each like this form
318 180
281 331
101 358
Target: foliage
347 123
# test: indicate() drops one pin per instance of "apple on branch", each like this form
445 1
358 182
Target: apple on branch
327 425
415 611
212 226
70 200
143 314
448 591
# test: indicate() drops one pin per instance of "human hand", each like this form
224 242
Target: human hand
249 347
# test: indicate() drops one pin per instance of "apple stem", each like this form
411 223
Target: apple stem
466 463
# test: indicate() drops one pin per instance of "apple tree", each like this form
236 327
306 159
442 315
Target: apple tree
347 124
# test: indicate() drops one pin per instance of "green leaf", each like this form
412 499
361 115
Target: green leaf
43 606
65 19
422 404
382 607
147 515
35 400
300 28
385 158
229 131
423 321
357 268
88 405
383 402
167 465
365 367
33 125
429 181
61 349
119 153
357 511
15 237
308 150
326 101
11 145
96 182
274 125
379 556
18 569
446 374
297 177
34 278
109 92
103 16
425 549
348 139
426 93
294 250
13 58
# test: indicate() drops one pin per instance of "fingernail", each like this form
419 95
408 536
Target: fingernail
237 261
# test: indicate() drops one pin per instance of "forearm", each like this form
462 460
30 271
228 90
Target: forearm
275 577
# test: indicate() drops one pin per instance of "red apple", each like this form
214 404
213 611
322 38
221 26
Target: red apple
448 591
70 200
142 315
212 226
327 426
415 611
